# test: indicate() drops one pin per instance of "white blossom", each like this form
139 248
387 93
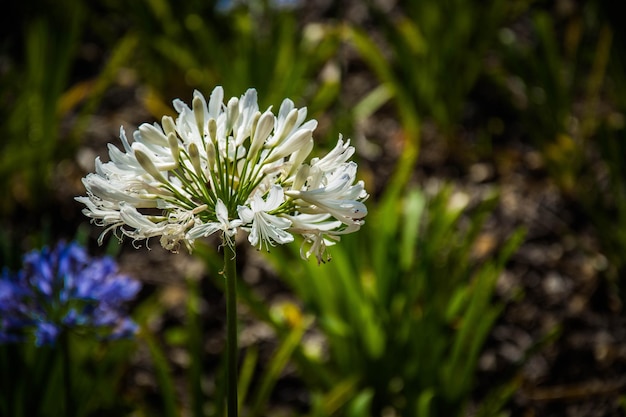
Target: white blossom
223 167
227 227
335 193
266 228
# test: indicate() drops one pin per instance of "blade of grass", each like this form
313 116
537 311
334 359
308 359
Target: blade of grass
163 374
276 366
245 374
194 339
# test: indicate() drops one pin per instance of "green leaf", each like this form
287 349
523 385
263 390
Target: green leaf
276 365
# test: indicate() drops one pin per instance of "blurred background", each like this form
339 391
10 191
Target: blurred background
490 276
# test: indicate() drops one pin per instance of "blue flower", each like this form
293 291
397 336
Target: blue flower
61 289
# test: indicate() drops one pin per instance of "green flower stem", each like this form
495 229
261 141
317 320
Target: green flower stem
230 275
67 377
195 348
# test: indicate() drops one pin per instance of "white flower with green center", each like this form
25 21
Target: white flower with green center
266 228
220 168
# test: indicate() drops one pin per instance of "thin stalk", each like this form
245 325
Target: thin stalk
230 275
195 347
67 377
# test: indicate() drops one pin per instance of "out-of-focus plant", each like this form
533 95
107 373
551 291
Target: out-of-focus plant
604 195
39 89
549 80
260 44
434 51
256 378
405 309
566 92
31 91
430 56
58 316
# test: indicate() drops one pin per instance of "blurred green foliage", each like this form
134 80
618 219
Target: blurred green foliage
430 57
34 381
195 45
405 306
40 90
30 94
562 83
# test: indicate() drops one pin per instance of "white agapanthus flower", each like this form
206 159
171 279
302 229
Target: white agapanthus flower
225 167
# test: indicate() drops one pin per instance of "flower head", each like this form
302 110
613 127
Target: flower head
223 167
64 288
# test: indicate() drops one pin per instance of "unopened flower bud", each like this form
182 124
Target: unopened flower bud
212 128
168 125
210 155
173 143
232 113
299 156
263 129
301 177
292 144
286 128
151 134
198 112
147 164
194 155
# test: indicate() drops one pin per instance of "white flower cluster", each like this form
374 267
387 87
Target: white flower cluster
224 167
